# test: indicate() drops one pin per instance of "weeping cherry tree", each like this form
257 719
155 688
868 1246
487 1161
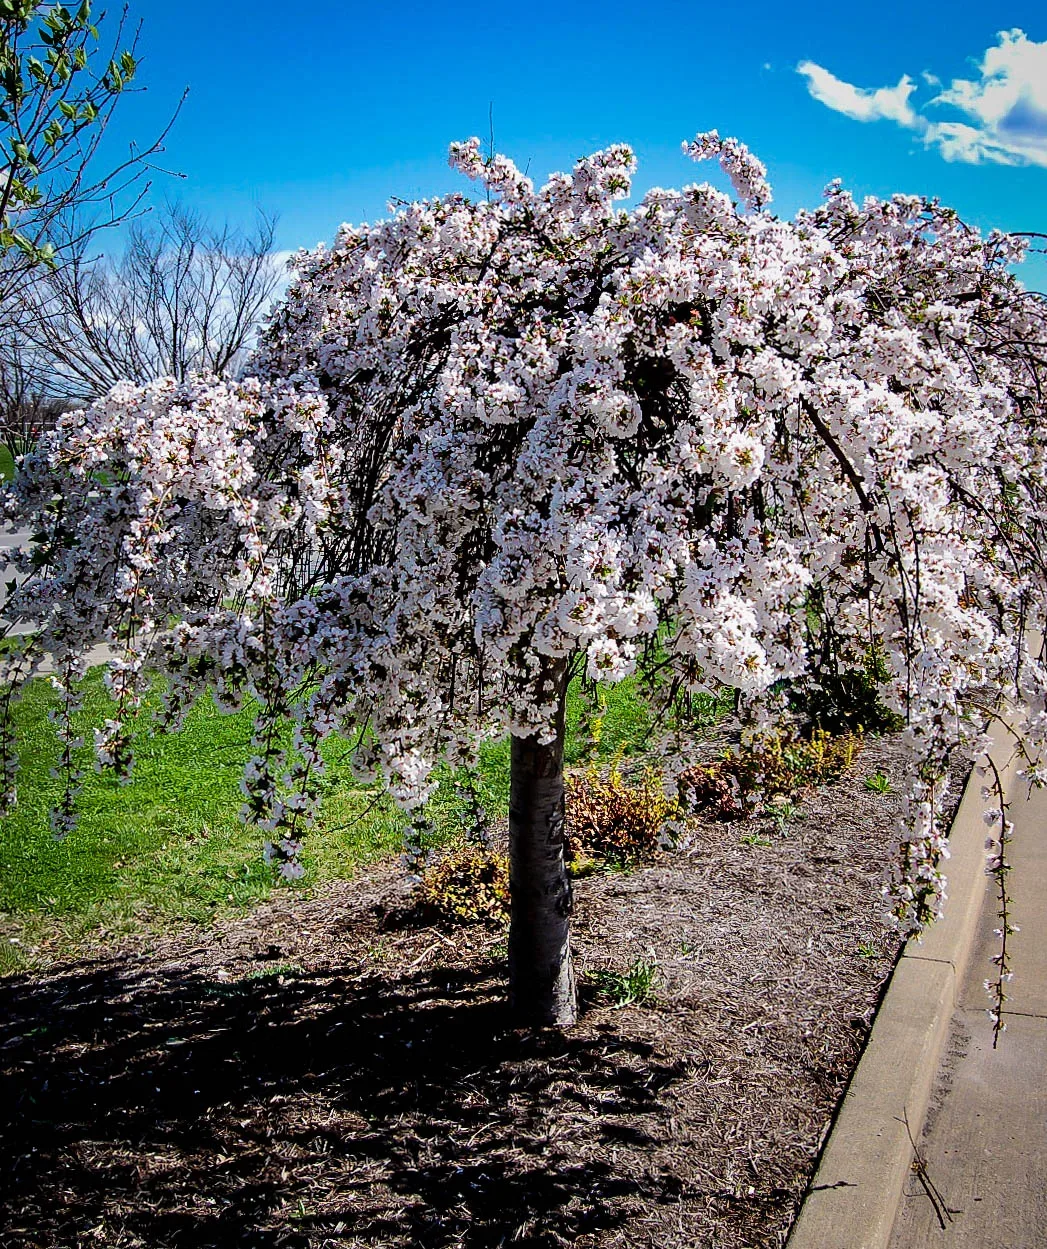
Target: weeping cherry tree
492 442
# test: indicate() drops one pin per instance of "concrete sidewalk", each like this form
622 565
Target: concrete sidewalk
96 655
984 1143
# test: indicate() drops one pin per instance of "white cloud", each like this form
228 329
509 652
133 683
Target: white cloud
281 258
861 103
1007 105
1004 108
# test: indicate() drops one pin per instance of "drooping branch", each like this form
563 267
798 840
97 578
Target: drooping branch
849 471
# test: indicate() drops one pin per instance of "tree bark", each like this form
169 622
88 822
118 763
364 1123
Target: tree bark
541 977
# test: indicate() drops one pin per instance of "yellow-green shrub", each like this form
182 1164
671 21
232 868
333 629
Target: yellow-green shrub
779 764
468 884
783 763
607 818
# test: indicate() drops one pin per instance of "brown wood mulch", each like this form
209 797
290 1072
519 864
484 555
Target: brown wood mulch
317 1073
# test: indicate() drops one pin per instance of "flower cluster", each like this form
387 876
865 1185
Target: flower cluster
488 437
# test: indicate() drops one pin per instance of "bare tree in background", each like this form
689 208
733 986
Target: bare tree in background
186 296
27 405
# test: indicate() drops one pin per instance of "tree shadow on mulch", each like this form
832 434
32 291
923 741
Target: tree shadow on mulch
164 1108
189 1090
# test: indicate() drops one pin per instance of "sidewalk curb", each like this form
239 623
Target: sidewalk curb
855 1193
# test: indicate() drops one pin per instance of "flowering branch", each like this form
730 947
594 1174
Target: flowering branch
999 868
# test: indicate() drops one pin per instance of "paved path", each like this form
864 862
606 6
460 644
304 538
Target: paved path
96 655
7 542
985 1140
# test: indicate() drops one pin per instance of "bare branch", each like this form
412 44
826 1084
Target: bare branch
185 297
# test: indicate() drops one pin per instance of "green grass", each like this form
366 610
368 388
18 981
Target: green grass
169 843
168 846
7 463
634 987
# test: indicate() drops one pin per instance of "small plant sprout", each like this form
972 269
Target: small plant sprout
878 783
868 949
754 839
634 987
781 810
275 974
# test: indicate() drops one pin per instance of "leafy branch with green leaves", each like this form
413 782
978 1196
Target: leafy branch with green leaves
58 89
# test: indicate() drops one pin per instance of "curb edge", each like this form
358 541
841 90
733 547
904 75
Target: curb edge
853 1198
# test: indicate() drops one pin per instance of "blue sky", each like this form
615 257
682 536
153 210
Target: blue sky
323 112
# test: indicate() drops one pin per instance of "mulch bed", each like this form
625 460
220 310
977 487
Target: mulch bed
319 1073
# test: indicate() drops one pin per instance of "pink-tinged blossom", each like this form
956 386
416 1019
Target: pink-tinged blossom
748 175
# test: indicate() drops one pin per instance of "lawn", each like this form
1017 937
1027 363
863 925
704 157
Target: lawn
169 847
7 463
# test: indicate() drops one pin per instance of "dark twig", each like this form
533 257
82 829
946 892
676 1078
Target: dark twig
919 1168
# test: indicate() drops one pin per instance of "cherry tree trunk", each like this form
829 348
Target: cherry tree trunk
541 977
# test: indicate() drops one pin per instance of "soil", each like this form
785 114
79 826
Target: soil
322 1073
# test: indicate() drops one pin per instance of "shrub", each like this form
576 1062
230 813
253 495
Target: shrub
607 818
848 700
780 765
783 763
468 884
710 788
